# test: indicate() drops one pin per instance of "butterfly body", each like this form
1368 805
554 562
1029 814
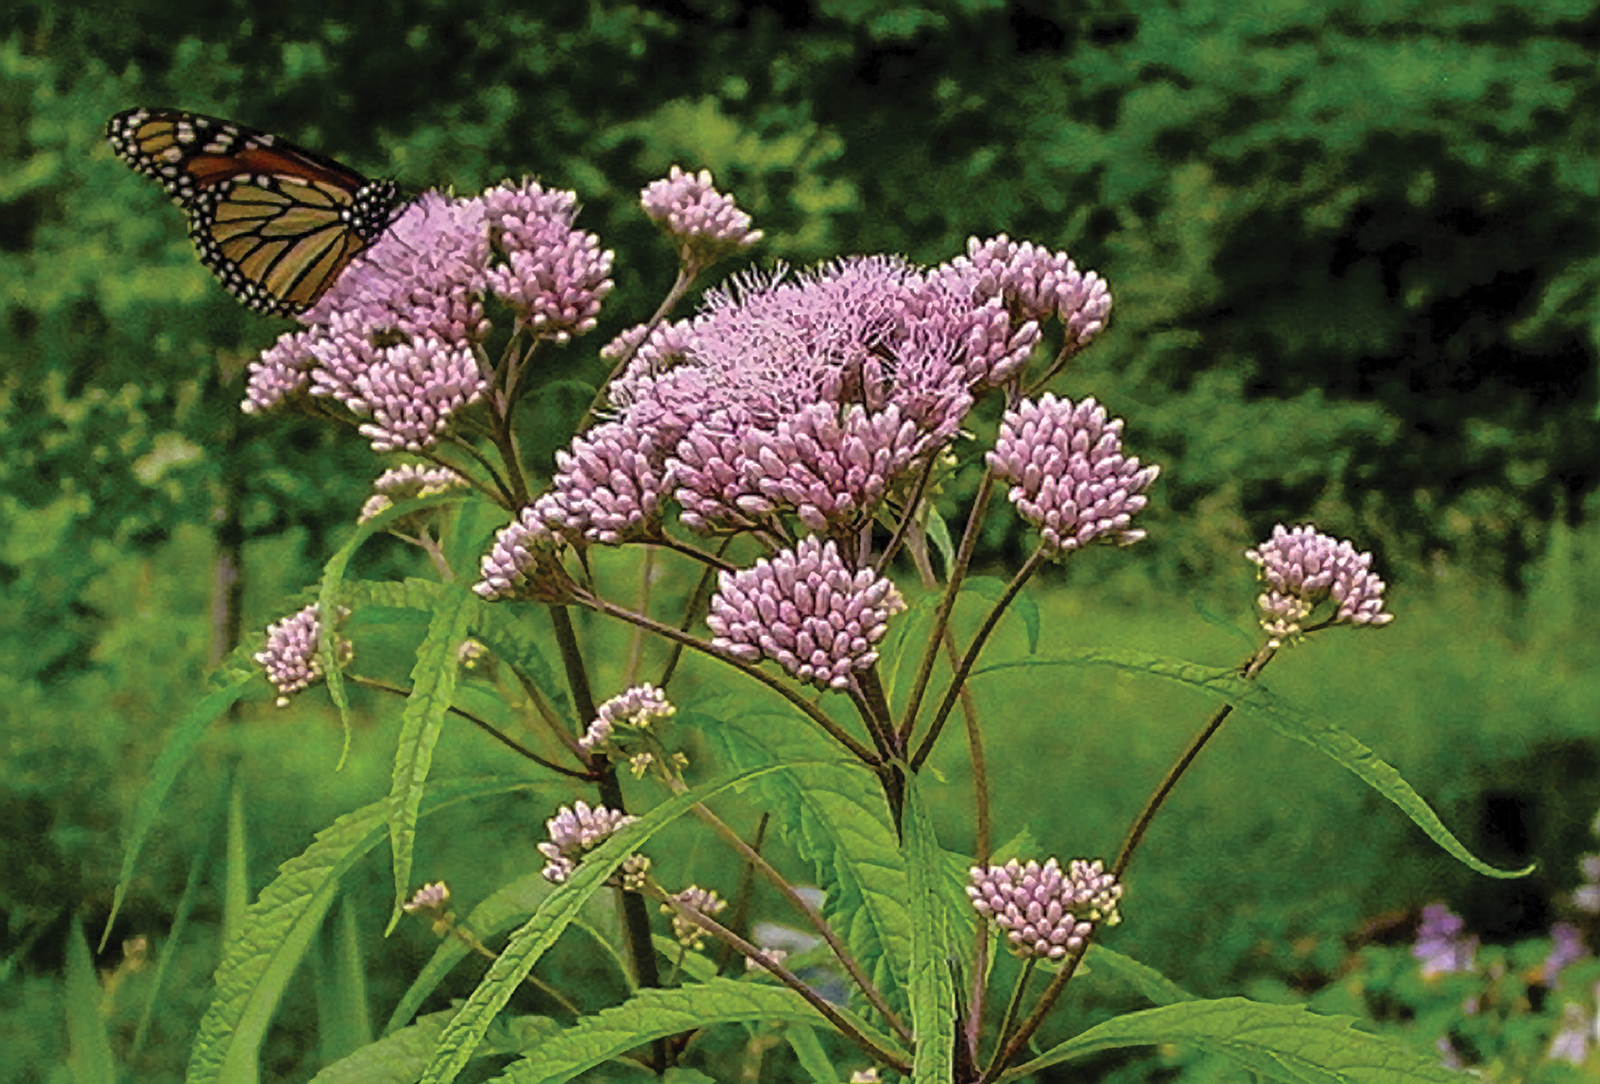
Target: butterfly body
274 222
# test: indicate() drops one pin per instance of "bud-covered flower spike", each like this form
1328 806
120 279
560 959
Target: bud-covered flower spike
290 657
806 610
1302 568
575 831
635 710
706 225
1068 475
407 482
554 276
1045 911
522 563
610 487
704 900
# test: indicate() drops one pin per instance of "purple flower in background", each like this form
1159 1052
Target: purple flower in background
706 224
1568 948
1439 945
574 831
1068 475
1573 1038
1302 568
1044 910
806 610
1586 897
290 656
1036 284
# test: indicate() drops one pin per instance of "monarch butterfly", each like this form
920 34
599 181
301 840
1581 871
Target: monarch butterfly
275 223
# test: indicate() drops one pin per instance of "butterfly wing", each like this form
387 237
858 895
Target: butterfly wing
275 222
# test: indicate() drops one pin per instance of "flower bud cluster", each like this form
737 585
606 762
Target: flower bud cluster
1045 911
408 481
1037 284
610 487
705 901
706 224
520 562
290 655
1302 568
574 831
635 709
554 276
806 610
1068 475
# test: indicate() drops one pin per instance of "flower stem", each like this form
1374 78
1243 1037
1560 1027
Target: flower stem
1011 1012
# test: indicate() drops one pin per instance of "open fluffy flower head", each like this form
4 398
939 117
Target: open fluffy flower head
1045 911
290 655
705 224
806 610
574 831
1302 568
1068 474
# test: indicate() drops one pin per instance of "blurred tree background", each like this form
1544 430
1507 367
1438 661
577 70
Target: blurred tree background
1355 251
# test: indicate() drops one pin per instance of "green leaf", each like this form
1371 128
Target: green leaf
169 947
279 926
433 686
834 815
938 532
696 965
504 629
235 866
468 533
1280 1042
655 1014
343 1022
408 594
505 907
809 1052
1252 699
933 1002
174 755
554 915
1147 980
394 1059
91 1058
1023 606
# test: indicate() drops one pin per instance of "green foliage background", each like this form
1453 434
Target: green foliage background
1354 253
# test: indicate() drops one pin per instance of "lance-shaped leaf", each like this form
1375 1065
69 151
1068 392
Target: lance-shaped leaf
1279 1042
281 923
433 686
933 1003
1250 698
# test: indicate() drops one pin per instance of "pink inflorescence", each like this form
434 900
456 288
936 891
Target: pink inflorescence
1302 568
705 901
1044 910
407 481
638 707
574 831
522 551
430 897
706 224
1068 475
610 487
392 340
1037 284
806 610
290 656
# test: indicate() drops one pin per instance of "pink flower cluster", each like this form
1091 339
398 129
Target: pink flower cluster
574 831
290 655
1045 911
1302 568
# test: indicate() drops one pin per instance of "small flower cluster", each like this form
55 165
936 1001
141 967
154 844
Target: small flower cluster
393 340
1068 475
635 709
706 224
806 610
520 562
1439 946
1045 911
290 655
705 901
574 831
430 897
1302 568
1038 284
406 482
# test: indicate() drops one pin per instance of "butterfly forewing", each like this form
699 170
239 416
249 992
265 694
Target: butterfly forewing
276 223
